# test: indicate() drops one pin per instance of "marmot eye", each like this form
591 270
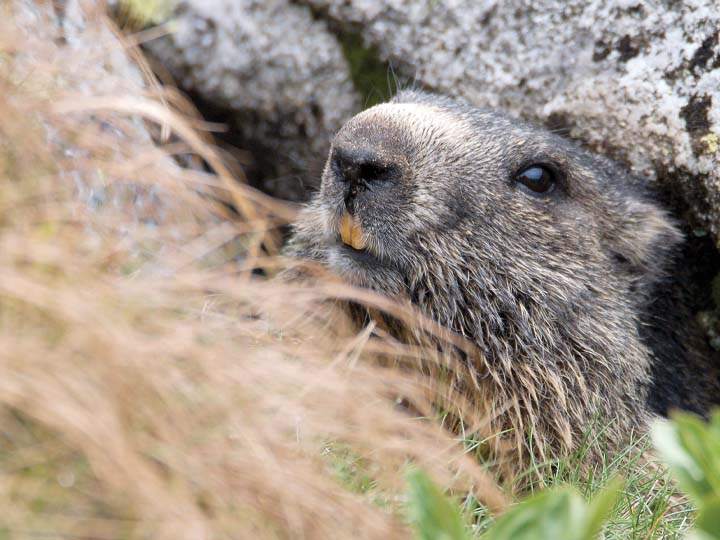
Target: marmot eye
537 178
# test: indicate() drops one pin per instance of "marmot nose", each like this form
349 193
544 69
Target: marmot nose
359 170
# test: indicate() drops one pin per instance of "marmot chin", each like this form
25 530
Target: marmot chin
552 260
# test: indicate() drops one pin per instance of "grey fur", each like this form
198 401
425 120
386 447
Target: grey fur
554 289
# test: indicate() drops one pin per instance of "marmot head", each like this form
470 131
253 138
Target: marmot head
535 249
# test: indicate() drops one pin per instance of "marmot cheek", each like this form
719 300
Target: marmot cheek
351 232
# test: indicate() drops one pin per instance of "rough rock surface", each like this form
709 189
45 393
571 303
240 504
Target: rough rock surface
69 53
279 71
637 80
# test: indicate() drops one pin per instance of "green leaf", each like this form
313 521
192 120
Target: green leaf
691 447
699 535
666 439
552 515
557 515
708 520
432 514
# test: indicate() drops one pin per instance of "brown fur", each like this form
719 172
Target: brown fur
556 290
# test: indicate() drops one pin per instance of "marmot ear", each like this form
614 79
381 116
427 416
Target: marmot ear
645 238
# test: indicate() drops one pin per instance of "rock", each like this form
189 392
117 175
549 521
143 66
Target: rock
273 72
636 80
69 57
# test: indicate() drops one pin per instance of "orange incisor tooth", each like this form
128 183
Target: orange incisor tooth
357 239
351 232
346 229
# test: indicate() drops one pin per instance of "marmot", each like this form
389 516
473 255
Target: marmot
552 260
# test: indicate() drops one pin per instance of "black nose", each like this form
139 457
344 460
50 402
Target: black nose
360 170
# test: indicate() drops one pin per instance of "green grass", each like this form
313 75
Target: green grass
624 497
629 494
633 499
645 508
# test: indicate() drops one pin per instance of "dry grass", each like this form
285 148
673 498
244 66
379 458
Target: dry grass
151 385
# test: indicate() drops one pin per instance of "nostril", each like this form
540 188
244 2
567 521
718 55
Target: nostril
362 167
375 172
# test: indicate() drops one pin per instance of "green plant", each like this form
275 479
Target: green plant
432 514
558 514
691 448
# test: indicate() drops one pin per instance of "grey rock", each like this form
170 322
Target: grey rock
638 80
70 52
278 73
